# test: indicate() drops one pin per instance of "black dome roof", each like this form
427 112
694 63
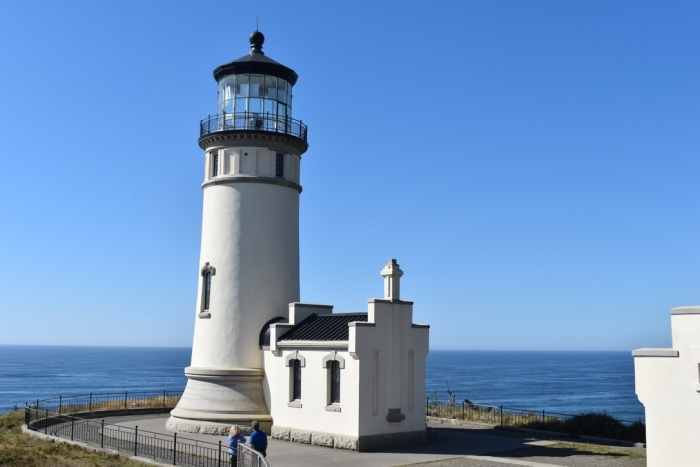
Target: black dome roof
256 62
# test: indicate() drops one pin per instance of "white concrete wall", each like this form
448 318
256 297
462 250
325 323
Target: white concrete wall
667 383
250 234
386 350
251 161
309 413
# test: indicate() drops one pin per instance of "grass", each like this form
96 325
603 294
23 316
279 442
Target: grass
594 449
602 425
18 449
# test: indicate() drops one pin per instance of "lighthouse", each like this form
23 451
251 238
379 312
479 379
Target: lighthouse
249 259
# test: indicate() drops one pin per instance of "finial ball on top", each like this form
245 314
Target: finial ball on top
256 40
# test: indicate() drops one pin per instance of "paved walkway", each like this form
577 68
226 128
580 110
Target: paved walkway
450 447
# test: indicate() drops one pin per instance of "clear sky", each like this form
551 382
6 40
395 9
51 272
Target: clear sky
533 166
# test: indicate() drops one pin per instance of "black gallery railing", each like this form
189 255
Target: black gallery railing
253 121
575 425
55 417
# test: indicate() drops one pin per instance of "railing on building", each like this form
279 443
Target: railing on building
596 425
253 121
54 417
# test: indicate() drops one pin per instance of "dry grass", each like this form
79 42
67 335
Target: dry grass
156 401
18 449
592 424
598 450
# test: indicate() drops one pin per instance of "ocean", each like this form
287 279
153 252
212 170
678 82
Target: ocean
563 382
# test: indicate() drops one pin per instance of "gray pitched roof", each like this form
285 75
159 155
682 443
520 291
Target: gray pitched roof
332 327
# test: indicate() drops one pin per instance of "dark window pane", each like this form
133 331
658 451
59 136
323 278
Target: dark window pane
207 289
335 382
279 168
297 380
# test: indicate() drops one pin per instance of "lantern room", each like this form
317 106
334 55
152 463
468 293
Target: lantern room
255 94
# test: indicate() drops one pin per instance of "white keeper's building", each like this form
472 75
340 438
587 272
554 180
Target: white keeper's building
667 382
343 380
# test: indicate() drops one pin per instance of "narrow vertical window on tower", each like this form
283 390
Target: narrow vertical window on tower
207 290
207 272
296 380
214 164
279 166
334 381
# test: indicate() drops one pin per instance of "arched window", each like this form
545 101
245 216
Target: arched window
295 361
334 363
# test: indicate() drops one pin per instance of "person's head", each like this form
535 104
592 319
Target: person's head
234 430
256 425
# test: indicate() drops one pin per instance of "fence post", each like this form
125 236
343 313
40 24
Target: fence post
60 404
463 418
126 393
37 404
219 453
501 415
102 434
174 447
46 422
163 397
136 440
72 424
90 408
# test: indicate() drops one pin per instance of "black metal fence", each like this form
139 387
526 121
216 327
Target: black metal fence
587 424
253 121
156 446
54 417
107 401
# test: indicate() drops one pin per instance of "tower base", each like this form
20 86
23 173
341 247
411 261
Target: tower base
216 398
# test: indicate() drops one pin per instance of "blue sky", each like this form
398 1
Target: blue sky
533 166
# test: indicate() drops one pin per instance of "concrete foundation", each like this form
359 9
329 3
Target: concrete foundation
215 398
352 443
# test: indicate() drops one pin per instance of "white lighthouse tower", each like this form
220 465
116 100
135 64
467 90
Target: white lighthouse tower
249 261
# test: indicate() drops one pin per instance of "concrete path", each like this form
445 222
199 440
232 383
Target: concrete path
467 446
447 444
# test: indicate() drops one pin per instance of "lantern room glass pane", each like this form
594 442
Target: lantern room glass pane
270 108
241 86
266 95
282 90
270 91
241 105
255 105
257 83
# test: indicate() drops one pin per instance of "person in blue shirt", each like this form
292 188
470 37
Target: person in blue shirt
234 438
258 440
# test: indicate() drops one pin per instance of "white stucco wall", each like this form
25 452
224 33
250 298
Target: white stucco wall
250 234
667 383
386 350
249 160
310 413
